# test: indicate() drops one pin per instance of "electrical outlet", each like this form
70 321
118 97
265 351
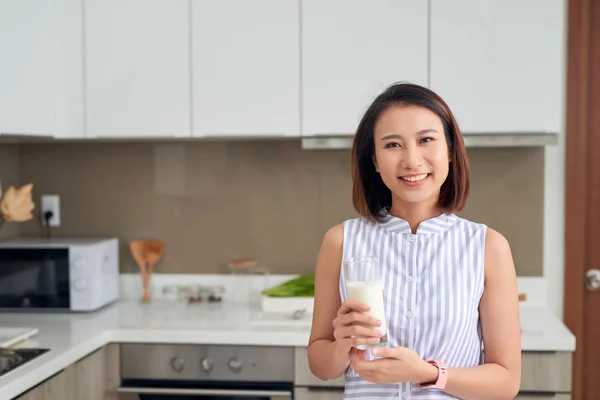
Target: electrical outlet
51 202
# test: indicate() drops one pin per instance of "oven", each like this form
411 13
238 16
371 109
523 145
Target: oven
206 372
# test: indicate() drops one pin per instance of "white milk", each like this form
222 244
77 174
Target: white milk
371 294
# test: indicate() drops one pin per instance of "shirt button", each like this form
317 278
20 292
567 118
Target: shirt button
409 314
411 239
411 279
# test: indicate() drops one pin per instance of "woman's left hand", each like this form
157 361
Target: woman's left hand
397 364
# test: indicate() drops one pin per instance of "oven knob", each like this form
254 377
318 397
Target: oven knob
207 364
79 285
178 364
235 364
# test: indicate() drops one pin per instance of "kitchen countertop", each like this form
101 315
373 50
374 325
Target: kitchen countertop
72 336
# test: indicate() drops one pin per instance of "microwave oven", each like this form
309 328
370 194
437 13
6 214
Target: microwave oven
65 275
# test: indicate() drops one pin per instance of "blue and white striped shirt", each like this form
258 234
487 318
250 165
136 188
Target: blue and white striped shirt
433 282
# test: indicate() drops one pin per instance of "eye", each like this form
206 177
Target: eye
426 139
392 144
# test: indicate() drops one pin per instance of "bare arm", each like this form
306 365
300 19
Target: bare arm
334 324
500 376
324 361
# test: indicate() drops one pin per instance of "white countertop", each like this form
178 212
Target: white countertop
72 336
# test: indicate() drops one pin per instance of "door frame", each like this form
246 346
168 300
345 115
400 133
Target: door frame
583 52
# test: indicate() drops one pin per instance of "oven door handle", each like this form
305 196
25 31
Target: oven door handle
206 392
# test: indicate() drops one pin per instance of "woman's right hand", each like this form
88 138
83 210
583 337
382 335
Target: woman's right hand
354 326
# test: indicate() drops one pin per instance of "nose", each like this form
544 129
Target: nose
412 157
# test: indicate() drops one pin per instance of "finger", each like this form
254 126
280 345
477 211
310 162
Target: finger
382 364
353 305
357 354
363 365
358 341
359 318
386 352
359 331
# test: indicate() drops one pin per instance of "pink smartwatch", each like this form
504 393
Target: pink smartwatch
442 378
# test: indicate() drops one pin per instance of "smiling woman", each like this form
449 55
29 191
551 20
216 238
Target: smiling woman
449 284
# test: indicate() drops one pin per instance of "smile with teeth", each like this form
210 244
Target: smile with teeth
414 178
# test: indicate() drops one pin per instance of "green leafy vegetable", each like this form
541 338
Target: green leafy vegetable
302 286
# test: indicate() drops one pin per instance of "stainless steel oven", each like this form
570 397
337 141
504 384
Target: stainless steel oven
206 372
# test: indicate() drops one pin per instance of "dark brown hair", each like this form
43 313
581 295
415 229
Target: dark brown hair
369 194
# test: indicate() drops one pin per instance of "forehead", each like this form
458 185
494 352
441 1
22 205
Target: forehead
406 120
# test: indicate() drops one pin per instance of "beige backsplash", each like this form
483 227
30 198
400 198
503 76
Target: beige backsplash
9 175
210 201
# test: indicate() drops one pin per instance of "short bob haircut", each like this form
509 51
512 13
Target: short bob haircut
370 195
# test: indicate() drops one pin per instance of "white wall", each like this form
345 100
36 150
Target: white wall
554 205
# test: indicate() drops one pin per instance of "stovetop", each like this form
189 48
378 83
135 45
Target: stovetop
14 358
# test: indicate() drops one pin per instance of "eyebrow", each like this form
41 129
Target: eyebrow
420 133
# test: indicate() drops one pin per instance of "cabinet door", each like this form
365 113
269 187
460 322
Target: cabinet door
499 64
318 394
41 68
351 51
246 71
137 68
27 67
70 100
62 386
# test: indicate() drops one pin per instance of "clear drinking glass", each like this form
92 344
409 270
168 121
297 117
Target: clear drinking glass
365 283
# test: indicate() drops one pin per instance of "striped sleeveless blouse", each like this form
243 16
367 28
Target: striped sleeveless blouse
433 281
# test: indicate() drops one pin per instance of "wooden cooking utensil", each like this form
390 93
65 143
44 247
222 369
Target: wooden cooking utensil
138 251
154 252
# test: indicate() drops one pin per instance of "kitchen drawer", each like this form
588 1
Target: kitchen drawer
546 372
303 376
547 396
318 394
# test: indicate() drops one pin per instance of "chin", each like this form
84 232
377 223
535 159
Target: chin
415 198
416 195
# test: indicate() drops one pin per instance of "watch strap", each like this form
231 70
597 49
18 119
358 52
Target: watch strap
442 378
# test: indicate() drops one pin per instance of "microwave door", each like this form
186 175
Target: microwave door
34 278
17 284
46 284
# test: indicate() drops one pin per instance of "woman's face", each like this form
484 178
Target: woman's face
411 153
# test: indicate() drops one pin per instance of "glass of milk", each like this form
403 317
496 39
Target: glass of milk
364 283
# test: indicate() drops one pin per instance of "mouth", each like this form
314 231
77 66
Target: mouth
415 179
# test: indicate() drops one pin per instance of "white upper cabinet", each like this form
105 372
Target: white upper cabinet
351 51
245 67
499 64
70 114
137 68
40 68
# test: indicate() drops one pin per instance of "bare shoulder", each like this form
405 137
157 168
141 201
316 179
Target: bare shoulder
334 238
330 254
495 242
498 255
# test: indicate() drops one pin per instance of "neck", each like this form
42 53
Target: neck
414 213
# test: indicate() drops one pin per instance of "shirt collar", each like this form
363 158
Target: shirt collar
432 226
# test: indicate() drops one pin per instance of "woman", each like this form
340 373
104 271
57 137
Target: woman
449 283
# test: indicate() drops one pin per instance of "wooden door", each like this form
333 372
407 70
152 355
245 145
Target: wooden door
582 190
